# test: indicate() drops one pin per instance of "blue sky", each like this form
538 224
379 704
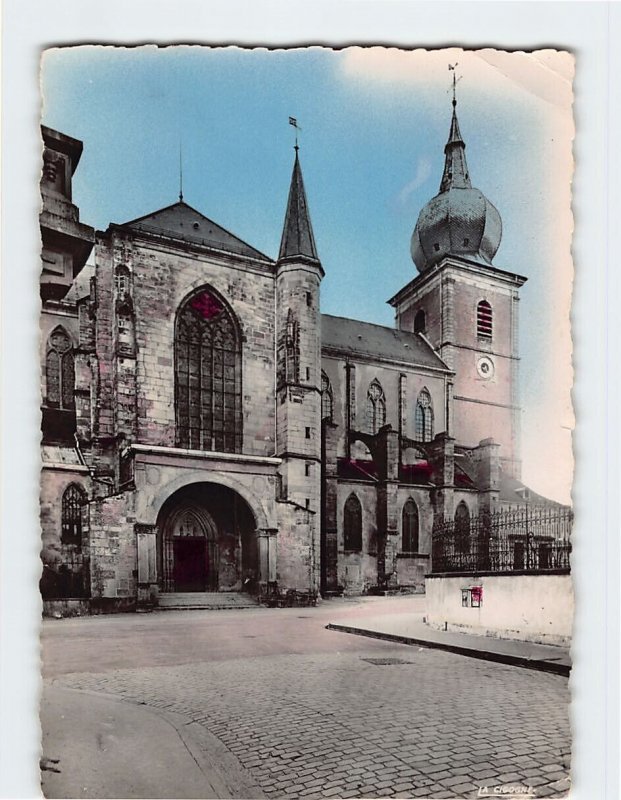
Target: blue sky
374 122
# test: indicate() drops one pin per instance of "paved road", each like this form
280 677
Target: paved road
305 712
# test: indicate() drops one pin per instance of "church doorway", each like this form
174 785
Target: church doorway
206 541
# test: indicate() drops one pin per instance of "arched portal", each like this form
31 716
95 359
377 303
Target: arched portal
207 541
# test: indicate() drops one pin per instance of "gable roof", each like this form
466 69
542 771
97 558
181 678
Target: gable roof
181 221
378 341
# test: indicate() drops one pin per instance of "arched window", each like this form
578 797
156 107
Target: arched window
423 417
72 508
352 524
484 320
208 375
376 407
59 370
327 400
420 323
462 528
409 527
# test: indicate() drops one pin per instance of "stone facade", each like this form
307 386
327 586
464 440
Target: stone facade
221 434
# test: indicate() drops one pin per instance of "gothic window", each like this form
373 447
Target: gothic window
121 279
420 325
376 407
424 417
59 371
73 504
352 524
327 400
462 528
484 320
409 527
292 349
208 375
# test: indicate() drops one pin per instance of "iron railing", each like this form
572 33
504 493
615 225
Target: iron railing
535 539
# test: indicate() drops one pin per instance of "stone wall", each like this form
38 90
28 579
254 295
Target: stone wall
55 554
533 608
161 279
396 381
113 547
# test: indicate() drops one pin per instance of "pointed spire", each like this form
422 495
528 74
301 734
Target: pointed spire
297 236
180 172
456 175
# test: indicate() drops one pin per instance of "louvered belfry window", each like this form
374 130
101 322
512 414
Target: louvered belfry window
208 375
484 320
59 371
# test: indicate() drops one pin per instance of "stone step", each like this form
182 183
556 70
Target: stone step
206 600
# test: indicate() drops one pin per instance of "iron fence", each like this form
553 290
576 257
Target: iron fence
536 539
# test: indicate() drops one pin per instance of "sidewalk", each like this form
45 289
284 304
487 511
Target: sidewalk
410 629
98 746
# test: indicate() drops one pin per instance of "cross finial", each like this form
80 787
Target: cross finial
452 68
293 121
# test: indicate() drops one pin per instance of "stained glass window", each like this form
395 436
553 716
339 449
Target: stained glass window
376 407
352 524
424 417
409 518
208 375
59 371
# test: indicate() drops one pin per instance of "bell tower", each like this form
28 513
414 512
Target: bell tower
466 306
298 368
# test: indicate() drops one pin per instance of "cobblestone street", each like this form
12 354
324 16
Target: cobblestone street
355 718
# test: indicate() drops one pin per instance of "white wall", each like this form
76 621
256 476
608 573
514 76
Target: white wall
534 608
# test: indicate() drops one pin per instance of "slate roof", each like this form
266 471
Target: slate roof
181 221
297 236
370 340
514 492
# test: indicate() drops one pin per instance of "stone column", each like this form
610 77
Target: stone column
486 458
441 455
272 554
350 395
268 555
329 521
146 549
387 460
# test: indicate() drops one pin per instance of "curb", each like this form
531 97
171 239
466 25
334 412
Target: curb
225 777
541 665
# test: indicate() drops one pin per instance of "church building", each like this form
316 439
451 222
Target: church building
205 428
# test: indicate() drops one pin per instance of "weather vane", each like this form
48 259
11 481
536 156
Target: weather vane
293 121
452 68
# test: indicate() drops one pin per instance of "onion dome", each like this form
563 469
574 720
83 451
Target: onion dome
459 220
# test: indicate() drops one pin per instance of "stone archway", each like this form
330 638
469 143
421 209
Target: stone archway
207 541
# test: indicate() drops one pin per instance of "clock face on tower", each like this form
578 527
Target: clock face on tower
485 367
